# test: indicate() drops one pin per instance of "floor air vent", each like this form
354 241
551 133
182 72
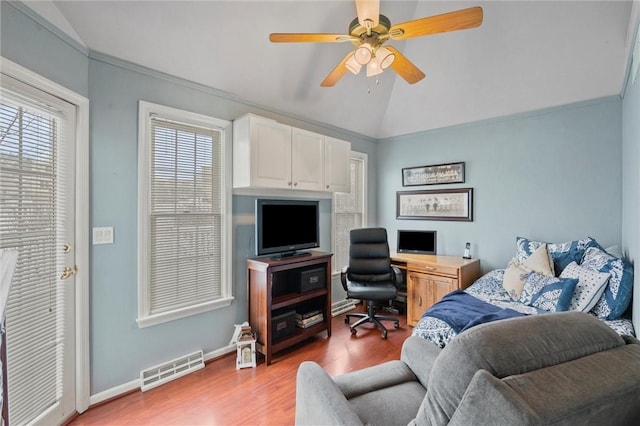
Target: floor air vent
342 306
163 373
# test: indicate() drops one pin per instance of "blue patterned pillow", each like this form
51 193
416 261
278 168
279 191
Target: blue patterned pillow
617 295
549 293
562 254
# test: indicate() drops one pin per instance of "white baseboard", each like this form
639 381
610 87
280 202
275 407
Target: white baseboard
124 388
114 392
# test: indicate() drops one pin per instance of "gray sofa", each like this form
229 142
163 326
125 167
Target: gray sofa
562 368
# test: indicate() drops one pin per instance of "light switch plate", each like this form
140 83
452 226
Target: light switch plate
103 235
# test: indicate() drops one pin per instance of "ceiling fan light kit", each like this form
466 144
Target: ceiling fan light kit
370 30
363 53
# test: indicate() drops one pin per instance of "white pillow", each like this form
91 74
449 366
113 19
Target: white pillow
591 285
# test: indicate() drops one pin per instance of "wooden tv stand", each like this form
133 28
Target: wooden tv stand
431 277
273 289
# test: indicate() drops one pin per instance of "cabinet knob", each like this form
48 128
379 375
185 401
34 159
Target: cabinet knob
327 186
295 183
289 183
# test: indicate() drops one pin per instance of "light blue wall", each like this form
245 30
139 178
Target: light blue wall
25 39
552 175
631 184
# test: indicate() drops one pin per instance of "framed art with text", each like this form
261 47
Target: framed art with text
437 204
433 175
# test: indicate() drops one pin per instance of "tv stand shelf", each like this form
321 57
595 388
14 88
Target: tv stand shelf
273 286
293 298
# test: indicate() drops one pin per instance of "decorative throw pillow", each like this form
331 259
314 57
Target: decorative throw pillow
591 285
548 293
617 294
562 254
515 274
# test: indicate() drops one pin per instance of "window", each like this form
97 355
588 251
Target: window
184 208
350 210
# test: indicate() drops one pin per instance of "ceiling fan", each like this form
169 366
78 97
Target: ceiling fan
369 31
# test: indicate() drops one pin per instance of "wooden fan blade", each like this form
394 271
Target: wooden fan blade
308 37
404 67
452 21
338 72
368 10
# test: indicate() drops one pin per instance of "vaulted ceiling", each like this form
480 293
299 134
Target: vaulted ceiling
525 56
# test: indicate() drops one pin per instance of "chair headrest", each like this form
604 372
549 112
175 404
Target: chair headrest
368 235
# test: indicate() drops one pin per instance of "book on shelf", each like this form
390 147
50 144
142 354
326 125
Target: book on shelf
310 322
308 314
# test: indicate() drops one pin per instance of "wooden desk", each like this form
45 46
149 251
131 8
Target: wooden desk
431 277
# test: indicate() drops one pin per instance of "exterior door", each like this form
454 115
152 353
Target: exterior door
37 196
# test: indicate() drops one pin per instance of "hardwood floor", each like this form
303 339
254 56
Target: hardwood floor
221 395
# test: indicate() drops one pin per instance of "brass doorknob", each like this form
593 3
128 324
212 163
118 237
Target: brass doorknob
68 271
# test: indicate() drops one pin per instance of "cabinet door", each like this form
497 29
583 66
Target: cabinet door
307 160
337 166
270 154
418 298
440 286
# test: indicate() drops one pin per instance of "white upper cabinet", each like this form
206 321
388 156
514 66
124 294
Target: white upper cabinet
268 154
261 153
337 155
308 160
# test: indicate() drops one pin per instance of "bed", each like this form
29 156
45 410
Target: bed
585 256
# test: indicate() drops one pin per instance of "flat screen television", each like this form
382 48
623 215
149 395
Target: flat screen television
284 227
418 242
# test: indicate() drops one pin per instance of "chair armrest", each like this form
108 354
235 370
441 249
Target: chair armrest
319 400
343 277
397 275
419 354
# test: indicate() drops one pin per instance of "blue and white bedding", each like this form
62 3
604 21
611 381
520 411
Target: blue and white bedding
489 288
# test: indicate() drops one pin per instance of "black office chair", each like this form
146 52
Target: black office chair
370 275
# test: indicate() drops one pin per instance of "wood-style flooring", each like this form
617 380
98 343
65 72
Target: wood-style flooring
266 395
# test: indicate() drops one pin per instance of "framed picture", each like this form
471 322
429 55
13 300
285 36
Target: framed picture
437 204
432 175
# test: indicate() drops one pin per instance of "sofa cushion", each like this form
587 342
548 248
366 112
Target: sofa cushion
516 273
591 285
510 347
548 293
562 254
395 405
617 294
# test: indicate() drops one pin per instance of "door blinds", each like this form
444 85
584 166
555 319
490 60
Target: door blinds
33 201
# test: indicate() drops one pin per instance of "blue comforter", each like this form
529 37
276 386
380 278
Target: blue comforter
462 311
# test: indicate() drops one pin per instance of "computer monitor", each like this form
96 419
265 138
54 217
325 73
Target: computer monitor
417 242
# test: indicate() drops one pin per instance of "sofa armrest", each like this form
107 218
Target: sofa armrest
419 354
319 401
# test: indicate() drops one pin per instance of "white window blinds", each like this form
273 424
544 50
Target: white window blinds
349 213
185 217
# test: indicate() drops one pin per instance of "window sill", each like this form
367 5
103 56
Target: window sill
155 319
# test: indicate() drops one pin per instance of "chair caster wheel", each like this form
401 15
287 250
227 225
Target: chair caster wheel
346 320
354 331
384 335
396 325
